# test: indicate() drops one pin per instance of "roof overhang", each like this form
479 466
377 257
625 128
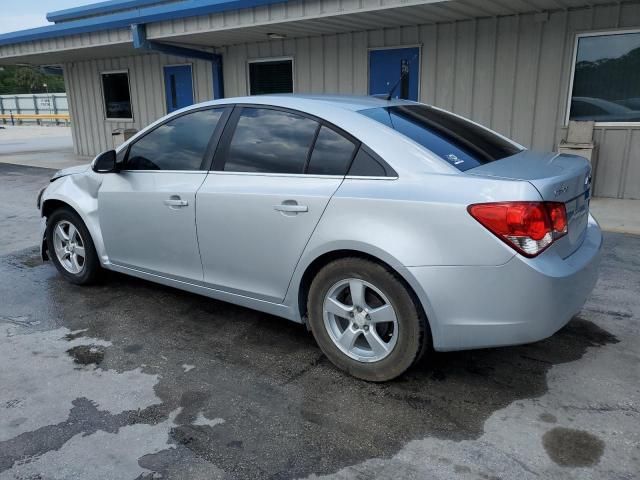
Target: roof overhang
216 23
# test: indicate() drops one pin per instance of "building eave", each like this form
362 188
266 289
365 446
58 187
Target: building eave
155 13
99 8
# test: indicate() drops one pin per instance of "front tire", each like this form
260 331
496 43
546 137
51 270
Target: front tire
71 248
365 319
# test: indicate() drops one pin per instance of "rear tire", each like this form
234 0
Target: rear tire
365 319
71 247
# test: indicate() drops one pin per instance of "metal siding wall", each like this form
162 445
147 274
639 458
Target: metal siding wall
631 186
91 132
510 73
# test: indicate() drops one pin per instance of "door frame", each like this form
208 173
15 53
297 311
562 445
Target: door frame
396 47
164 84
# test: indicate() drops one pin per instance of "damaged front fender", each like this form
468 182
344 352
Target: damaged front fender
80 192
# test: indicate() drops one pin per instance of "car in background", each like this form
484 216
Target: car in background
388 227
600 110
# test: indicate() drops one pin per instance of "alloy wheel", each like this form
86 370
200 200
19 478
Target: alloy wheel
360 320
69 247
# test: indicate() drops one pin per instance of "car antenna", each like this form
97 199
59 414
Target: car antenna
403 74
393 89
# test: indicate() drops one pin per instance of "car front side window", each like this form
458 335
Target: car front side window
179 144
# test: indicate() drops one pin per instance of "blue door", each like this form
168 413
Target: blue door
178 87
399 67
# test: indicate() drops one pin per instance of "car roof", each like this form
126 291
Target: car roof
342 111
345 102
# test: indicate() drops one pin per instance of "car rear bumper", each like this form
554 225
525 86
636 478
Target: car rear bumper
522 301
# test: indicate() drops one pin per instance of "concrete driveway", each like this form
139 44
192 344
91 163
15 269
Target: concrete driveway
37 146
129 379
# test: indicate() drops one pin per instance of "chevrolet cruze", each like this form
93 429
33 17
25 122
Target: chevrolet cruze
388 227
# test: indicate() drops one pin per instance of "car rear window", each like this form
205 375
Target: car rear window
459 142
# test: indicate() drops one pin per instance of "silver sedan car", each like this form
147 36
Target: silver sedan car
388 227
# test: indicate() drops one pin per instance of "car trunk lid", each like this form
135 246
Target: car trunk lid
558 178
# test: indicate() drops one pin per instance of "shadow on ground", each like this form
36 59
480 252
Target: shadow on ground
287 412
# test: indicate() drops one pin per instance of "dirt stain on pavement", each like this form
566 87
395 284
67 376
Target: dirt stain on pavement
573 448
87 354
547 418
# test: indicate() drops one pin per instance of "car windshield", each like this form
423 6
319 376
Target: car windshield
459 142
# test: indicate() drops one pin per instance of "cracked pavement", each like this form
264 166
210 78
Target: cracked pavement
133 380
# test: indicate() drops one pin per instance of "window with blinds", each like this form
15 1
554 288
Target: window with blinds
272 76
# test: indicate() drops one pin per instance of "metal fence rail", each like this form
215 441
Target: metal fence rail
40 108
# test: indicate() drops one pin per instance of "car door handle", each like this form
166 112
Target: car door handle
176 202
291 208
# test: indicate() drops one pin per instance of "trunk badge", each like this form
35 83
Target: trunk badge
561 190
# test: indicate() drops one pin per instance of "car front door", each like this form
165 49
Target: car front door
147 210
274 173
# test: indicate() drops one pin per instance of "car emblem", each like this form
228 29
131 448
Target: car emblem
587 180
561 190
454 159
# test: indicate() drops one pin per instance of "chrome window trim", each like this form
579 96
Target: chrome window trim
364 177
270 174
302 175
163 171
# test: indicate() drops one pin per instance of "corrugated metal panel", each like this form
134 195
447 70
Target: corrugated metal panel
510 73
91 132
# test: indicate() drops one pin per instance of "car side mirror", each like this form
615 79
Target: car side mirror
105 162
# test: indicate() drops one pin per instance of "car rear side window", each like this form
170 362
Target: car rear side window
332 153
270 141
365 165
179 144
459 142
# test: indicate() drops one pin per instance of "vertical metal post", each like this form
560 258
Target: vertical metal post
17 108
35 108
54 105
4 120
11 113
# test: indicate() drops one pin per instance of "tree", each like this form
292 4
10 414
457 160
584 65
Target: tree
29 79
16 80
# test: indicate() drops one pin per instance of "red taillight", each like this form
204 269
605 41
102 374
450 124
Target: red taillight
529 227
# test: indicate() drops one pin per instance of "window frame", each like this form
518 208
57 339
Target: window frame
104 102
220 158
272 59
574 57
212 145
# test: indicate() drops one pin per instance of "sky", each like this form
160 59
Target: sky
23 14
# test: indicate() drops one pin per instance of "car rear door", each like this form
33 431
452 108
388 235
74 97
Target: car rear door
147 210
274 173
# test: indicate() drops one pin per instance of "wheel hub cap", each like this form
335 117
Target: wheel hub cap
360 319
